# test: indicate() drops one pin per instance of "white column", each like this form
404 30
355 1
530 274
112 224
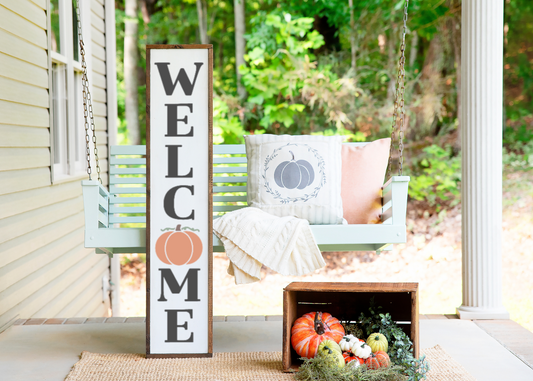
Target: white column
481 135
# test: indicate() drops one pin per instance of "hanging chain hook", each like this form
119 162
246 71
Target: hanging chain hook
87 104
398 116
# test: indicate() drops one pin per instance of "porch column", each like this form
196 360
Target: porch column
481 141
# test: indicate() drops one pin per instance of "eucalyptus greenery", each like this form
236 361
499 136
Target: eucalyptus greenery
400 345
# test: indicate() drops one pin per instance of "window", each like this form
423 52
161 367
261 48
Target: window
68 142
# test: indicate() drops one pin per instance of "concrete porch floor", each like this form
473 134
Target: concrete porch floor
41 349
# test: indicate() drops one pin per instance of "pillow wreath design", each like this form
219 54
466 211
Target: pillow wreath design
301 165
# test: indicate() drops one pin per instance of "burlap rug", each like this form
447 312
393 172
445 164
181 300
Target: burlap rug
252 366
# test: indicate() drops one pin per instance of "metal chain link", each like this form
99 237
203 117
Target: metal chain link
87 104
399 102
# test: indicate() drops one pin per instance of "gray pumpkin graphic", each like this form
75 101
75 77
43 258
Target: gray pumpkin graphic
294 174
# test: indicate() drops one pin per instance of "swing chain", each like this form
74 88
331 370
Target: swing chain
398 116
87 104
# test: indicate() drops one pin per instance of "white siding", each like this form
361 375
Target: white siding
44 269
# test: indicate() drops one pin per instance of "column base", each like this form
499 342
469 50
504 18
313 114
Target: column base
481 313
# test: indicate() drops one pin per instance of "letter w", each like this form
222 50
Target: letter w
182 78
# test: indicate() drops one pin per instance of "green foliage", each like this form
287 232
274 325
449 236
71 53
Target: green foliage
227 128
516 137
518 58
436 177
277 47
518 146
400 345
518 156
291 93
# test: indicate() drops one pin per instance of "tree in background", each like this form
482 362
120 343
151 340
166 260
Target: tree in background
240 42
131 58
201 8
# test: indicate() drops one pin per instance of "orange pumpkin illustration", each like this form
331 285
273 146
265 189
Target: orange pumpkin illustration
178 247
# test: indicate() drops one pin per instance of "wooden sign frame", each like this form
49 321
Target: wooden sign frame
174 70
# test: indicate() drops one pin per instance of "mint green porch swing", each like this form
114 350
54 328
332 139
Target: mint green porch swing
106 212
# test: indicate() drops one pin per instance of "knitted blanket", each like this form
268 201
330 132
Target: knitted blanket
253 238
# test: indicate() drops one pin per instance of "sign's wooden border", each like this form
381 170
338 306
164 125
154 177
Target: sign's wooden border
210 208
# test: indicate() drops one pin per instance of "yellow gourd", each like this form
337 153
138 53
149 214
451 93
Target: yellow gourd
377 342
329 348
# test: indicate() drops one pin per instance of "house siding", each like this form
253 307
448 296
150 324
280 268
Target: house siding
45 271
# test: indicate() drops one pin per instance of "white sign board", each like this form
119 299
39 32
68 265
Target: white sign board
179 200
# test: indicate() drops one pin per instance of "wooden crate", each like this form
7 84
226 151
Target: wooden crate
346 301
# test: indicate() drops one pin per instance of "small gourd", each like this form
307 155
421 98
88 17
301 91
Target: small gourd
348 342
331 345
352 360
377 360
329 348
378 342
362 350
349 357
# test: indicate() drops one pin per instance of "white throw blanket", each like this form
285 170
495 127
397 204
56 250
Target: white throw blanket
253 237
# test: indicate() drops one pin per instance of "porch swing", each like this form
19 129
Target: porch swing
125 201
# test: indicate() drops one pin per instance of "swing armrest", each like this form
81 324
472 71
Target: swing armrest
395 200
95 204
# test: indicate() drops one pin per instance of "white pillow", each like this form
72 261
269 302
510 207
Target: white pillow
296 176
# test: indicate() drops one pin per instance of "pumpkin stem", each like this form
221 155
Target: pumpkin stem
292 156
319 324
178 228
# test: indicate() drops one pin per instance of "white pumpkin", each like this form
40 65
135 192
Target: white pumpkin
348 342
362 350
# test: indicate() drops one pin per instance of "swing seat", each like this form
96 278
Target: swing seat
125 204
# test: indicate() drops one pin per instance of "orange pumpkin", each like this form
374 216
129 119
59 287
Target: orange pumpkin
311 329
178 247
378 360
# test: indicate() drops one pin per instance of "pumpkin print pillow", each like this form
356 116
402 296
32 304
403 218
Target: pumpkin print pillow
296 176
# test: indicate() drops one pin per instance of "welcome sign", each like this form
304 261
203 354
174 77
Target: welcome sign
179 200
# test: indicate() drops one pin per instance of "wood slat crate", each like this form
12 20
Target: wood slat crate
346 301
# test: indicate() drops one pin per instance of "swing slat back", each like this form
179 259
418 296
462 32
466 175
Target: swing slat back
125 204
127 185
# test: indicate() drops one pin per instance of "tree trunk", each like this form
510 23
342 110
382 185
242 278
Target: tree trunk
131 57
240 44
431 83
392 63
221 54
456 40
413 49
352 38
145 12
202 20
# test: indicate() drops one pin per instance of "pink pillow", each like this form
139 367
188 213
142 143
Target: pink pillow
363 172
